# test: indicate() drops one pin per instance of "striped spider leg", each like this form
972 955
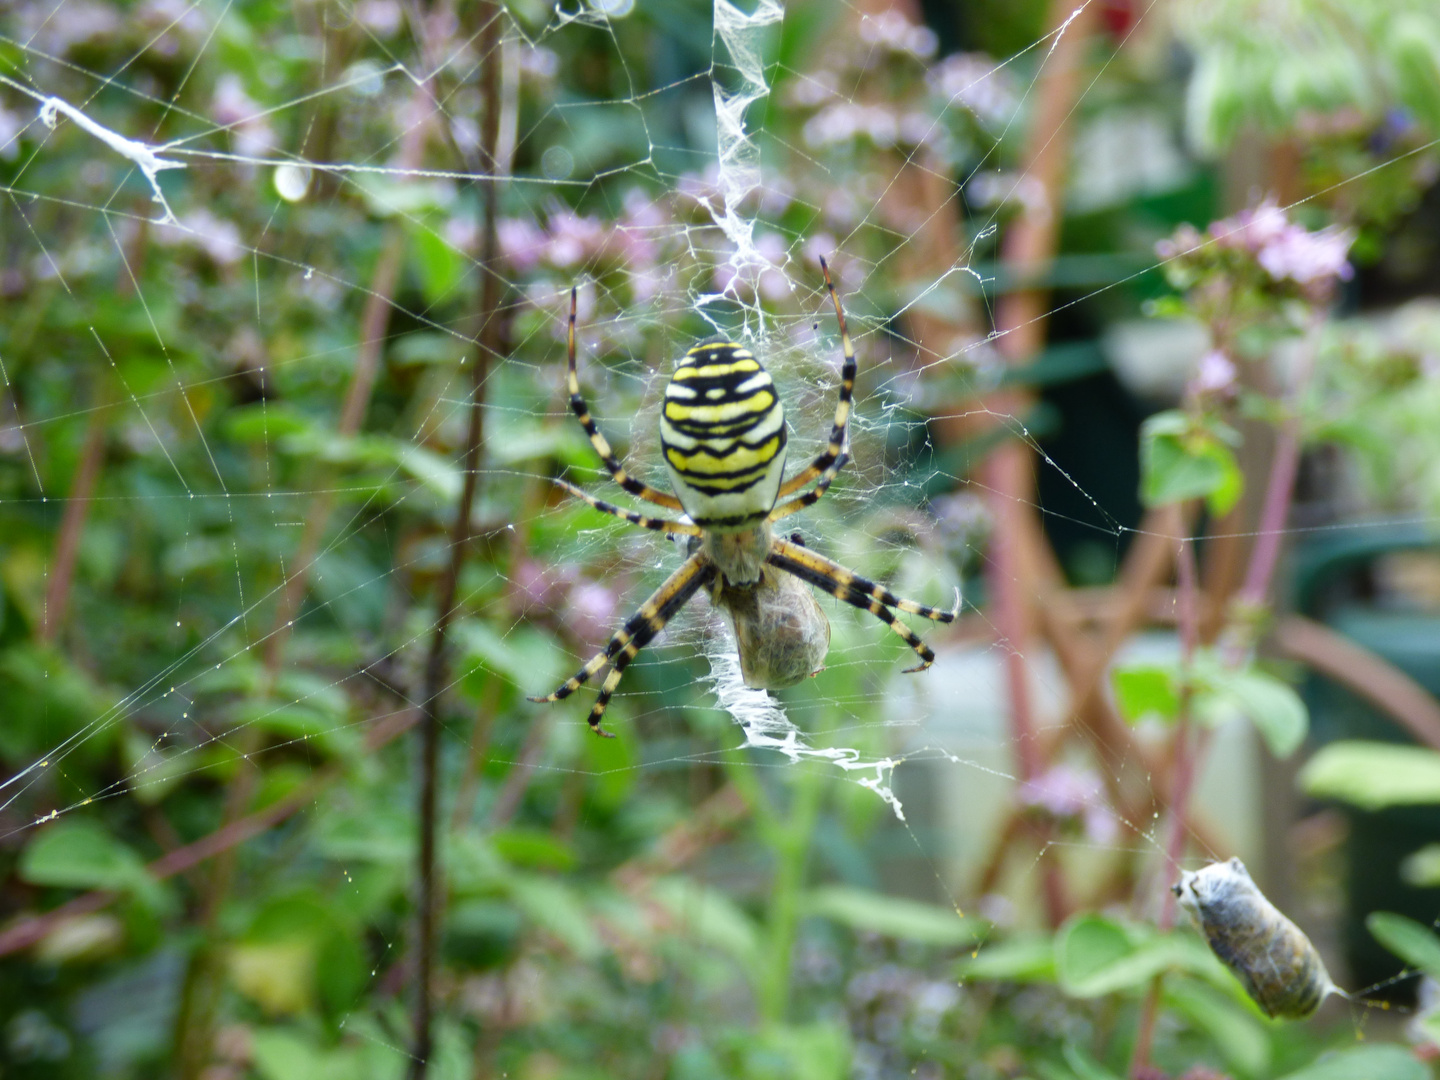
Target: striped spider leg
695 573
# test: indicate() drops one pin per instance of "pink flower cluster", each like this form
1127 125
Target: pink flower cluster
894 31
1284 249
1068 793
568 239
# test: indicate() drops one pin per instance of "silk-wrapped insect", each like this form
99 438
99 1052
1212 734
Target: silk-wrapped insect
781 634
1275 962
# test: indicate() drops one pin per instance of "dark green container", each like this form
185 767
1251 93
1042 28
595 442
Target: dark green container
1336 583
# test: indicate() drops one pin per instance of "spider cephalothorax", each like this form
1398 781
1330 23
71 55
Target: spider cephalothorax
722 431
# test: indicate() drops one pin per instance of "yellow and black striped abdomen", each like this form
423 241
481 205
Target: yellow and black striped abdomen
723 435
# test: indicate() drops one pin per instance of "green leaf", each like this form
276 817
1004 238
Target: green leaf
282 1054
558 908
1084 1066
1095 956
1148 690
533 848
709 916
908 920
439 265
1027 958
1414 64
816 1051
1231 1026
81 854
1417 945
1373 775
1422 868
1181 459
1276 710
1364 1063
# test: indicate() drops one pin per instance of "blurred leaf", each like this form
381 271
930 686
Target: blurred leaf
1095 956
440 266
523 656
83 938
1181 459
558 908
893 916
818 1051
1373 775
1231 1025
384 835
1086 1067
408 196
1147 690
481 934
300 723
1413 45
1422 868
709 916
1417 945
1364 1063
1273 706
76 853
1027 958
437 473
533 848
425 348
278 976
284 1054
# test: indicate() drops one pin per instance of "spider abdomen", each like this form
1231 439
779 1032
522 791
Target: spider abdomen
723 434
781 634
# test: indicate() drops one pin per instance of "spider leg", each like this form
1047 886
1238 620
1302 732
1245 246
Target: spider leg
811 497
639 629
856 597
833 458
597 440
852 582
854 594
674 528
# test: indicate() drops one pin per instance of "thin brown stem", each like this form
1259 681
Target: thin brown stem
194 1023
491 286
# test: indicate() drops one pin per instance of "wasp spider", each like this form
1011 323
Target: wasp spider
722 431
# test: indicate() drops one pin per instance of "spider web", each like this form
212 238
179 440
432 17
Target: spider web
712 235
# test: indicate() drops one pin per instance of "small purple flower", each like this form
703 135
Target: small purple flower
1309 258
573 237
520 242
1066 792
1214 374
590 610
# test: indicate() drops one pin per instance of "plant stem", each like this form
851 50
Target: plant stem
491 283
790 844
1188 620
1005 573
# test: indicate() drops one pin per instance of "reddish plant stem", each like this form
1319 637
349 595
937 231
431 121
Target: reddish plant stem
1188 619
1004 578
1279 494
